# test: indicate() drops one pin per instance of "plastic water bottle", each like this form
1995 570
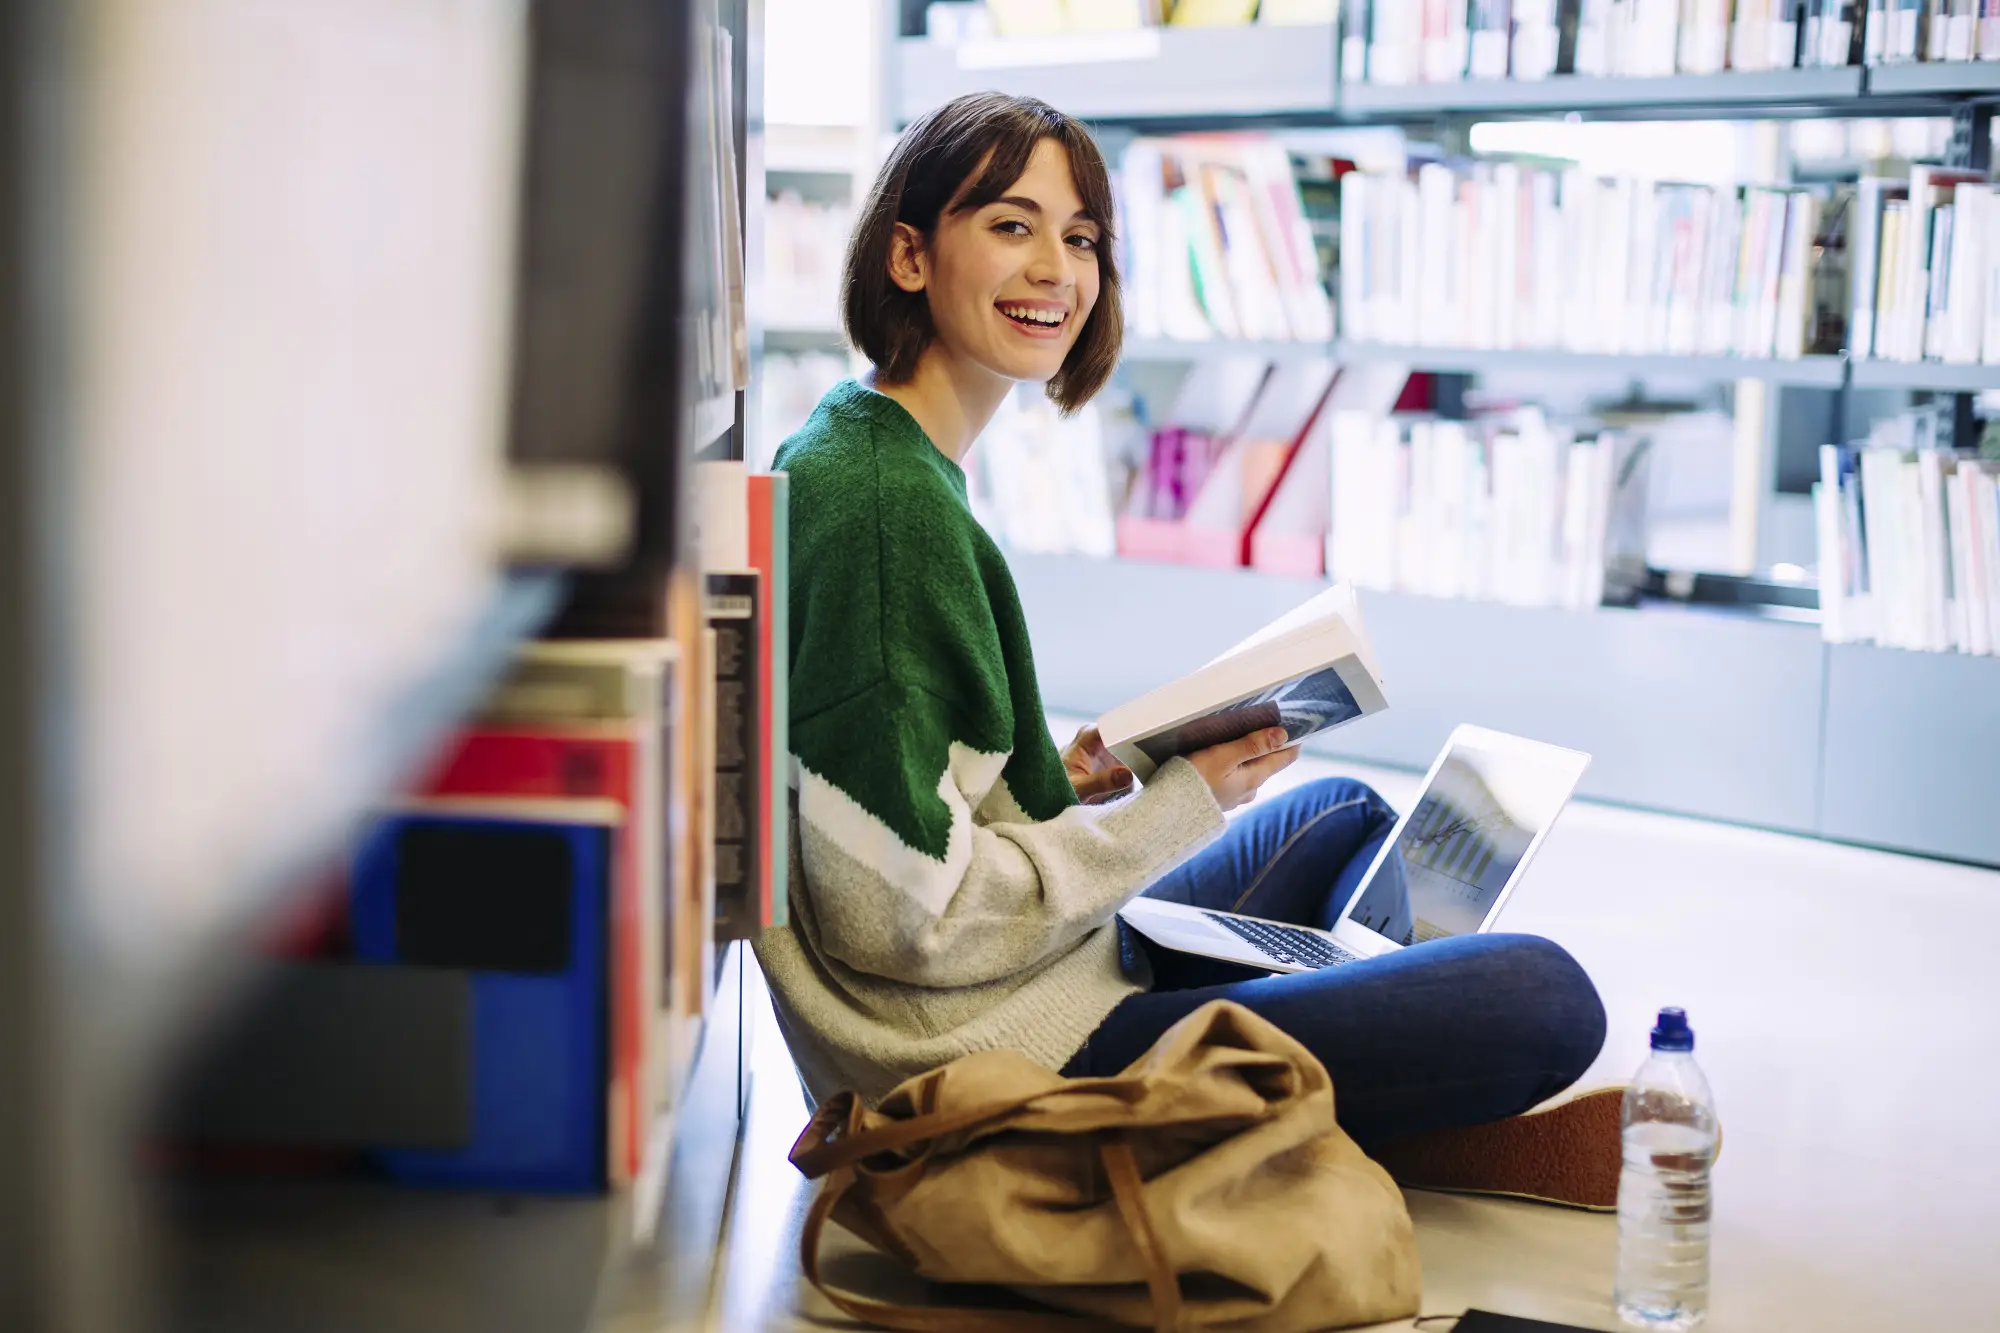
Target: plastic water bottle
1663 1200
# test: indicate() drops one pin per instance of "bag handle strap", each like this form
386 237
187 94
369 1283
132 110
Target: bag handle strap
1127 1189
814 1156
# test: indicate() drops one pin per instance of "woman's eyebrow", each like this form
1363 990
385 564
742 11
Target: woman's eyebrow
1022 202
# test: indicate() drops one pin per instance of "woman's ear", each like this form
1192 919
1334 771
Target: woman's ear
906 258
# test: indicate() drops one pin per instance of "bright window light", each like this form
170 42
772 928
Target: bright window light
816 61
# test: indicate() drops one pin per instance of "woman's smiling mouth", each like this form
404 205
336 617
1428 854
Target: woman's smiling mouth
1037 319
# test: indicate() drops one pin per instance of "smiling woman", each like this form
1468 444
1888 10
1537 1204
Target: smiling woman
955 881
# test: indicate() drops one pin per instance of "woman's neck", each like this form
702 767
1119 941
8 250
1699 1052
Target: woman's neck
950 400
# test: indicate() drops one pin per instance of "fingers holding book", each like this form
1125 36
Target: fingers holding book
1235 770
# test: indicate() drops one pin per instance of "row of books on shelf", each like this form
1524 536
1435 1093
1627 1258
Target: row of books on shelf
1506 254
574 851
720 346
1926 266
954 21
1437 41
1511 509
1217 242
1909 543
1304 469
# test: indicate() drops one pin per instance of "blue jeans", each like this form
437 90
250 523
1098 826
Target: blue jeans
1454 1032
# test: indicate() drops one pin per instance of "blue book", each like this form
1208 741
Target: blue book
518 895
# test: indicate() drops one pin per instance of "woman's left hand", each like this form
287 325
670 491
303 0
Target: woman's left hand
1093 770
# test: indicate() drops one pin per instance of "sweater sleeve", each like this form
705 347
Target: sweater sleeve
909 883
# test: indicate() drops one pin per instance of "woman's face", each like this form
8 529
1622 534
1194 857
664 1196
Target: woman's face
1010 284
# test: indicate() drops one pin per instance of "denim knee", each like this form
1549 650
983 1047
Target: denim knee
1331 793
1560 1010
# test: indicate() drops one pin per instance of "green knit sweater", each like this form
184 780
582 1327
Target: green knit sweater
948 893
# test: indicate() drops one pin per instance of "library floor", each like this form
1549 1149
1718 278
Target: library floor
1848 1010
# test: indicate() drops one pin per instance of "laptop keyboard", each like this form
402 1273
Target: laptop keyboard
1287 944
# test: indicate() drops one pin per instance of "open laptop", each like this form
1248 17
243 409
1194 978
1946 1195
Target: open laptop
1447 869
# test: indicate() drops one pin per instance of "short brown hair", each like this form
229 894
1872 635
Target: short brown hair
937 155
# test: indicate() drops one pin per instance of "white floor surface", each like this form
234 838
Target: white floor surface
1846 1003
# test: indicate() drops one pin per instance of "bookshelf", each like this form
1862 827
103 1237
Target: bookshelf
1735 717
1820 372
1160 77
1947 77
1935 376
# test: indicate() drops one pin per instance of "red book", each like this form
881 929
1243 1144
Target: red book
587 719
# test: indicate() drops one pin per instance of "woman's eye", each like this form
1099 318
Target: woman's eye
1084 243
1012 226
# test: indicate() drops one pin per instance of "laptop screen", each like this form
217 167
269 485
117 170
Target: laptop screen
1453 856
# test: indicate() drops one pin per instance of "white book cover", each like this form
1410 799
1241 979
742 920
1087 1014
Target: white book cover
1879 528
1409 262
1607 307
1989 349
1958 523
1309 671
1864 253
1987 519
1795 276
1976 591
1942 218
1718 296
1592 57
1936 552
1965 298
1913 559
1509 248
1392 46
1583 197
1356 233
1580 480
1437 193
1140 175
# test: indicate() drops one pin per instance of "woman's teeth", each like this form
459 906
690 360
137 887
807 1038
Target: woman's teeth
1041 319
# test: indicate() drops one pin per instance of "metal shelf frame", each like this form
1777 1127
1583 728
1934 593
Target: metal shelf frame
1808 372
1169 78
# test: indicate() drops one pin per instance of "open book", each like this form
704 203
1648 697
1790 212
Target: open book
1310 670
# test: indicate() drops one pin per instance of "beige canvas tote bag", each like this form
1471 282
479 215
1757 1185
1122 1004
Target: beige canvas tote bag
1206 1187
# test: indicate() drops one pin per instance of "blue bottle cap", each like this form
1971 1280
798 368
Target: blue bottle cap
1672 1032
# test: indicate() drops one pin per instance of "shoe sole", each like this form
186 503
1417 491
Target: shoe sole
1569 1155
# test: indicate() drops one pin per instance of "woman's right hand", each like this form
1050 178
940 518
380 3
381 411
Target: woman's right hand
1235 770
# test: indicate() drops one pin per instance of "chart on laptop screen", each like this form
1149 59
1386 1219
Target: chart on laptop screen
1450 861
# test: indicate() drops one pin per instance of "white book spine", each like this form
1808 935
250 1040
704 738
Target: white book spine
1977 593
1965 294
1958 522
1989 348
1986 499
1938 628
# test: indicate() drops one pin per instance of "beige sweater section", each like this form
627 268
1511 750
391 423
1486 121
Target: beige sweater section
895 963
